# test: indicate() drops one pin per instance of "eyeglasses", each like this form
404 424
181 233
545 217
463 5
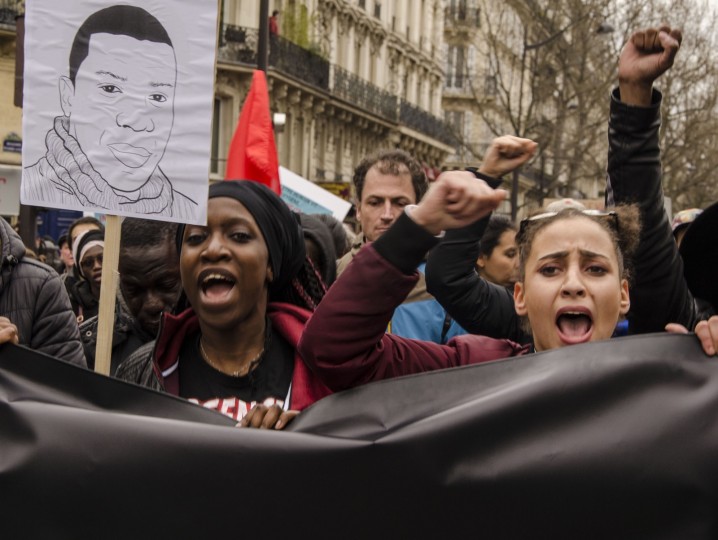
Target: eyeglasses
610 216
89 262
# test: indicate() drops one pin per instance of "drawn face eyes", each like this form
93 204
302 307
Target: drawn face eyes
110 89
159 98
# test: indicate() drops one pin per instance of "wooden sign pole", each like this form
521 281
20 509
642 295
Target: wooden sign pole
108 294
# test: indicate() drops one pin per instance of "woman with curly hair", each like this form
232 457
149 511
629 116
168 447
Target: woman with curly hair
573 287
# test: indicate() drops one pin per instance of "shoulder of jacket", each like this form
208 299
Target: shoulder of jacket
136 363
31 268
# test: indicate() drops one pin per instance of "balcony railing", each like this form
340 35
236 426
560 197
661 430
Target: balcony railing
424 122
363 94
463 16
238 44
8 11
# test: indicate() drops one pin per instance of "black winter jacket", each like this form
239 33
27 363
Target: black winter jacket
659 293
479 306
127 337
33 297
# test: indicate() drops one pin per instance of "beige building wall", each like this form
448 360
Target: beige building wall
10 115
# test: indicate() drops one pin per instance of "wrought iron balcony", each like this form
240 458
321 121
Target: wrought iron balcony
424 122
363 94
9 9
238 44
462 16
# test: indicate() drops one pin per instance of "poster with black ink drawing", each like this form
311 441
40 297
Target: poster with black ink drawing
117 107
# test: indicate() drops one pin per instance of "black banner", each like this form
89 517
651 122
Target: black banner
616 439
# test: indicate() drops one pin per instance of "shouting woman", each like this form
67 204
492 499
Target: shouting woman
251 290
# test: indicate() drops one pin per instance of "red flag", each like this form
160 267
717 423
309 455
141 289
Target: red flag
253 152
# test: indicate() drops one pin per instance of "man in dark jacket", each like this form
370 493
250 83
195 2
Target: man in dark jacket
149 285
34 308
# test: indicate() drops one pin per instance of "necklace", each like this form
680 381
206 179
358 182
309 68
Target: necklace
252 363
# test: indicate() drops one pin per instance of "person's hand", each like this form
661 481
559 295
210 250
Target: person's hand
263 417
454 200
8 332
706 332
647 55
507 153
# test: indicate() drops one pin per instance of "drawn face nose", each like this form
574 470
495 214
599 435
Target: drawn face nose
133 116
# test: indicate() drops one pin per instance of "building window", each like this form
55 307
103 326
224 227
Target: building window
456 120
377 11
222 129
216 120
362 4
490 85
456 67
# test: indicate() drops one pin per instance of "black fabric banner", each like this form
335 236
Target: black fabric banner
617 439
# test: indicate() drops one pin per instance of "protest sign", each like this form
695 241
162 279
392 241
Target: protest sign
304 196
118 107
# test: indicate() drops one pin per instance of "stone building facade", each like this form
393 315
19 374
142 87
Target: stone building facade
349 76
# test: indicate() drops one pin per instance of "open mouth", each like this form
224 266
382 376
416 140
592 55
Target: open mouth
574 326
216 286
130 156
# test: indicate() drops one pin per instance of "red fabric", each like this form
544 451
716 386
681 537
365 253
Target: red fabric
289 321
253 152
345 343
273 25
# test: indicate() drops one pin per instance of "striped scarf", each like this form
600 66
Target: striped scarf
75 175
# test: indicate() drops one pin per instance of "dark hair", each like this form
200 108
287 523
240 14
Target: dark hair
275 13
137 232
342 243
497 226
129 21
391 162
64 239
624 236
318 234
81 221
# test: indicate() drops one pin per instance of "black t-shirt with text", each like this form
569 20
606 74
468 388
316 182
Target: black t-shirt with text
268 383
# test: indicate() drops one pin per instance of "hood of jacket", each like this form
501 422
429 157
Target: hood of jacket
12 250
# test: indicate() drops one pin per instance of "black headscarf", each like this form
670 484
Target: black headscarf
278 224
319 232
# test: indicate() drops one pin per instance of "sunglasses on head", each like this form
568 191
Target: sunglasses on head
611 216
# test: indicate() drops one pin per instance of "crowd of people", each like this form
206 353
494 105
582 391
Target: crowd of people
263 311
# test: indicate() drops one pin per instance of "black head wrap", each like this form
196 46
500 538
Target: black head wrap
278 224
319 232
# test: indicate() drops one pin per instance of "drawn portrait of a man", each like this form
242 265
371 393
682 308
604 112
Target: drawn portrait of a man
117 102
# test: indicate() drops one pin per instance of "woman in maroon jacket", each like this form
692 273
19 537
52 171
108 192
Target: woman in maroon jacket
573 287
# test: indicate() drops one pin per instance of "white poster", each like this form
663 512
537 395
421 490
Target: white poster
304 196
118 106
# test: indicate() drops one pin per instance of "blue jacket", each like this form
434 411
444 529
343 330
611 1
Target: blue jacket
420 316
